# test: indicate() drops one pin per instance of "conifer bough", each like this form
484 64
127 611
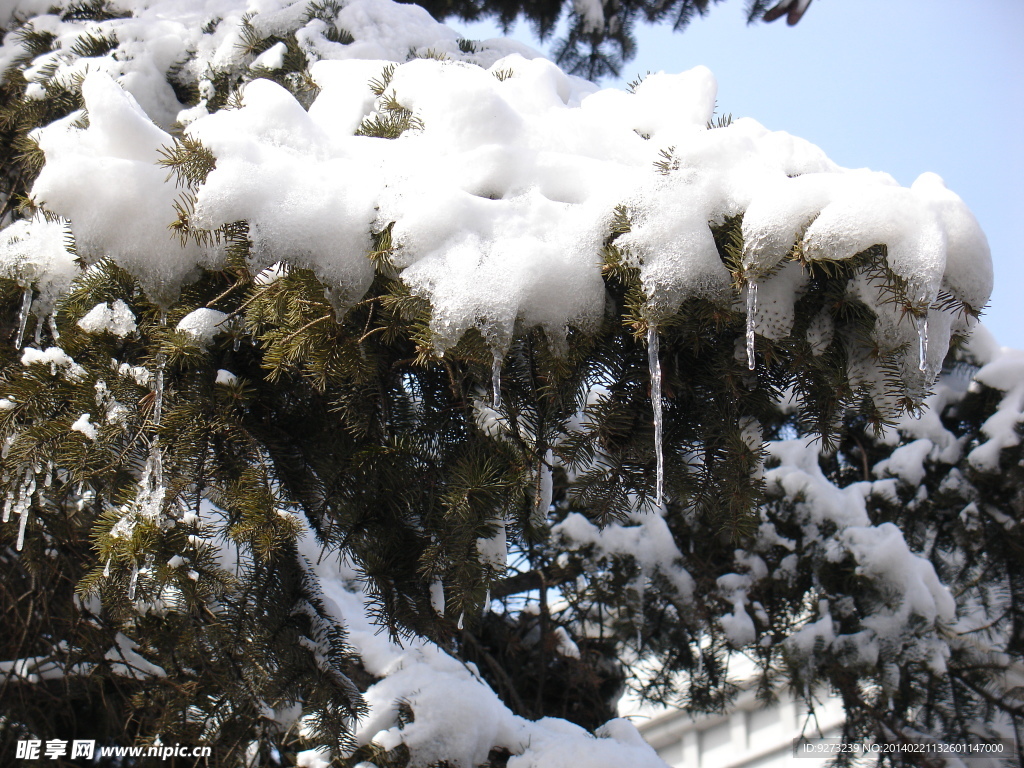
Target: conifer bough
303 275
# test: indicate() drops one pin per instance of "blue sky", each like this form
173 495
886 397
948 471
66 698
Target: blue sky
903 86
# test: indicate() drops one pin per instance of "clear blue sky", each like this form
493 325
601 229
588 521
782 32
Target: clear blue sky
903 86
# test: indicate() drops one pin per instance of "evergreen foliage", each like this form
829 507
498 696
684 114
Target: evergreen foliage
151 575
599 36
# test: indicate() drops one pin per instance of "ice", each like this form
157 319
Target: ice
496 380
22 525
654 363
921 325
114 318
751 321
133 581
26 305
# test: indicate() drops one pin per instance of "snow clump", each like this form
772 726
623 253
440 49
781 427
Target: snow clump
115 318
500 193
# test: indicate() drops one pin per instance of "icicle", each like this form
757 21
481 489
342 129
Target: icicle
38 337
26 305
496 379
51 320
106 569
158 392
21 528
487 601
462 617
158 410
751 316
158 466
134 582
8 502
921 323
654 361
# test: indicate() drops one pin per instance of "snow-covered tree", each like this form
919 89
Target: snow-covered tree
374 396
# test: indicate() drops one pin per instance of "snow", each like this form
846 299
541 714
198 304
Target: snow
1005 372
441 690
84 426
501 193
114 318
127 662
272 58
203 325
105 180
33 252
56 358
493 550
906 462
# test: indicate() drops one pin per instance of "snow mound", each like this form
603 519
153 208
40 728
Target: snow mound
500 190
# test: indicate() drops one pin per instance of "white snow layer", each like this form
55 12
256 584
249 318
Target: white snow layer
442 690
115 318
503 196
203 325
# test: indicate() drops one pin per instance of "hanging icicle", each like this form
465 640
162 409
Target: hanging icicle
106 569
462 618
496 378
25 508
751 317
921 323
654 362
158 410
134 581
51 321
26 306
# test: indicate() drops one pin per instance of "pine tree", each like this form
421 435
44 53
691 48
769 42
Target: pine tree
219 446
600 37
